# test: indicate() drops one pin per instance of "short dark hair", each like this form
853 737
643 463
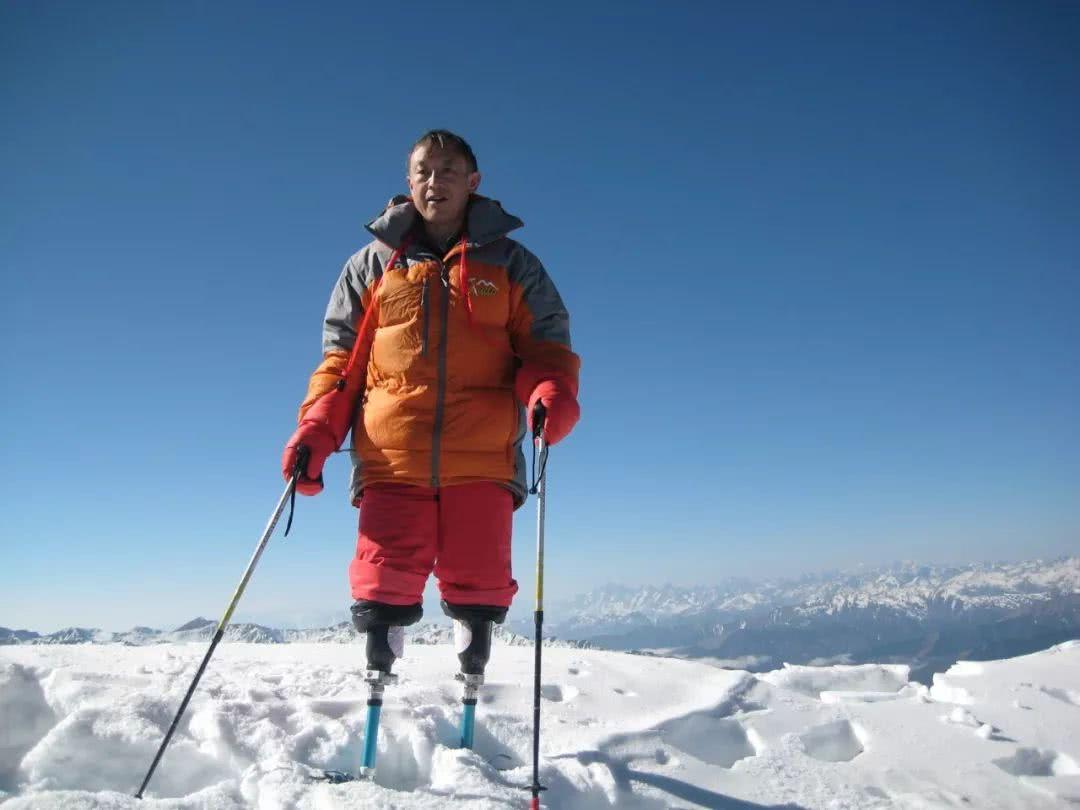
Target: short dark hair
445 139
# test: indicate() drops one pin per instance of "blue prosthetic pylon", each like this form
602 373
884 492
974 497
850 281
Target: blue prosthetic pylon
468 725
472 682
371 736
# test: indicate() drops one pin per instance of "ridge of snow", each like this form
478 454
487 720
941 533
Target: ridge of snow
82 724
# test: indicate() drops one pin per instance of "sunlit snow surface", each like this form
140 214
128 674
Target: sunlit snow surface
79 726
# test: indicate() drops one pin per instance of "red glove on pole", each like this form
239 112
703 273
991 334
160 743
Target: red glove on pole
321 431
562 408
320 445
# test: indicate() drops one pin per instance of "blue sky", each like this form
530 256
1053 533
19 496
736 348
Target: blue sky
822 262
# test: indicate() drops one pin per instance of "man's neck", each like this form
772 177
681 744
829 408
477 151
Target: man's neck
442 237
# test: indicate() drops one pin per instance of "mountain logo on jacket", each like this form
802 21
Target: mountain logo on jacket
482 289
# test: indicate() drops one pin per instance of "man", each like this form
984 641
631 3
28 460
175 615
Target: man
441 339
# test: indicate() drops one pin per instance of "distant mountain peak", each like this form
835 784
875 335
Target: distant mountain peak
195 624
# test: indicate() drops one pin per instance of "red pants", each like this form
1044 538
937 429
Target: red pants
462 532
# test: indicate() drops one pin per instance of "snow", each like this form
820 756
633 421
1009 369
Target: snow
814 681
79 726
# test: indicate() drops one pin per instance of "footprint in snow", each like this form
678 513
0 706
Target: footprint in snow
720 742
960 716
558 694
1064 695
839 741
1038 762
334 709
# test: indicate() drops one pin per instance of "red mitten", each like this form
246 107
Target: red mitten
322 430
562 407
320 444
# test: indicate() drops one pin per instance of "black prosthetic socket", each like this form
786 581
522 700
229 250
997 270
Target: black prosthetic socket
380 656
475 656
367 614
491 613
479 620
375 619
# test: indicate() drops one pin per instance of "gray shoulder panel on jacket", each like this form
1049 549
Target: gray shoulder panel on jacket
345 309
500 253
551 321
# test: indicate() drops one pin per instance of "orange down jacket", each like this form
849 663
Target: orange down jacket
435 390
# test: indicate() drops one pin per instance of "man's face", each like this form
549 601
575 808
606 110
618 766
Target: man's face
440 182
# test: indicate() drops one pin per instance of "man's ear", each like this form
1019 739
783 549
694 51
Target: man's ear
474 182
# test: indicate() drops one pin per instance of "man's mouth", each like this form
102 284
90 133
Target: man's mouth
432 200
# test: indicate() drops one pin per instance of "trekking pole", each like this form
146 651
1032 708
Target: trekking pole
538 488
289 493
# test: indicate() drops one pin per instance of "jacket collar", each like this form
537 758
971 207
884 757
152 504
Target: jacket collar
485 221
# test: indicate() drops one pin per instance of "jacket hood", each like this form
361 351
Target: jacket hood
485 221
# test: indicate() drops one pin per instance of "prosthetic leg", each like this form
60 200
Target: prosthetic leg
385 628
473 626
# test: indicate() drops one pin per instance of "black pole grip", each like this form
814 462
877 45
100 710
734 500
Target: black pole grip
539 417
303 456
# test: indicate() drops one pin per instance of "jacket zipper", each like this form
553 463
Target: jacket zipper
440 396
426 309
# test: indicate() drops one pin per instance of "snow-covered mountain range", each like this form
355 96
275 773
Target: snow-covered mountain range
915 591
921 615
202 630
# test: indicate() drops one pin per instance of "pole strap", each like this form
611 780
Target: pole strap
302 456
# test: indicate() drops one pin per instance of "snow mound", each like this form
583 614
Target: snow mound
25 717
946 692
99 748
863 678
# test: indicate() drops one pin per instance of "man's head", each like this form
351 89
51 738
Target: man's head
442 175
